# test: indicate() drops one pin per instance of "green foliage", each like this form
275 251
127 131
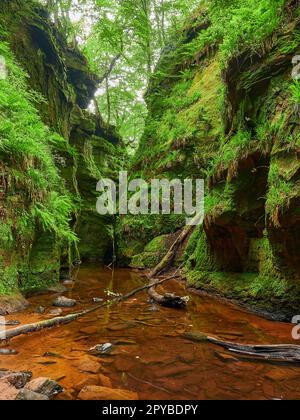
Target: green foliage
26 149
237 24
237 146
279 194
295 92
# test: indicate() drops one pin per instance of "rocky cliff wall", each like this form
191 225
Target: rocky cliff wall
224 107
53 153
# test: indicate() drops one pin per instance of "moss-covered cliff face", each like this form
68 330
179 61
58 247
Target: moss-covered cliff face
52 153
224 107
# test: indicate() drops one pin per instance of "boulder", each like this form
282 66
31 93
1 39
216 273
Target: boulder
16 379
12 304
27 395
63 302
44 386
7 390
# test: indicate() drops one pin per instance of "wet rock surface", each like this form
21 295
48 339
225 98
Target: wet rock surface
44 386
12 304
101 349
19 386
63 302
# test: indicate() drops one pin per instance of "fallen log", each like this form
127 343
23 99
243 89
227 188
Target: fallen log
282 353
169 300
62 320
167 260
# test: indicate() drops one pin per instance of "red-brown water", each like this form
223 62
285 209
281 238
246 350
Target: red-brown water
150 355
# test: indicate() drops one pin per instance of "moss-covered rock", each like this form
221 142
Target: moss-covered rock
153 252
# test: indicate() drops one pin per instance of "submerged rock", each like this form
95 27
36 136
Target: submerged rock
51 354
101 349
7 352
98 300
63 302
89 366
55 312
95 393
40 310
88 330
153 308
224 357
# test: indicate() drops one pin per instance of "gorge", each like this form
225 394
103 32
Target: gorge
223 103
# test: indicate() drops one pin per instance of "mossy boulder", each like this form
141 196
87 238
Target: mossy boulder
154 251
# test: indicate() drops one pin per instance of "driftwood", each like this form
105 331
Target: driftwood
57 321
168 299
282 353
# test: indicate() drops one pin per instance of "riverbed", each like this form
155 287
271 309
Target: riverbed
150 355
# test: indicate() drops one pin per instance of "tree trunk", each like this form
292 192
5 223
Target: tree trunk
282 353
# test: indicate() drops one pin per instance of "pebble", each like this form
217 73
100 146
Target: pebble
98 300
40 310
153 308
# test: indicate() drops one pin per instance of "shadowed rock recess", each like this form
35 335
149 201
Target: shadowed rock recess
51 160
233 120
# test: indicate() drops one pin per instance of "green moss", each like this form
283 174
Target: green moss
153 252
145 260
158 244
198 254
26 149
280 193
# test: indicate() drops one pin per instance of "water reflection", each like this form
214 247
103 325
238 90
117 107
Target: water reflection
150 356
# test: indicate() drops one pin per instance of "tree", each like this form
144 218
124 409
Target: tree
123 40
